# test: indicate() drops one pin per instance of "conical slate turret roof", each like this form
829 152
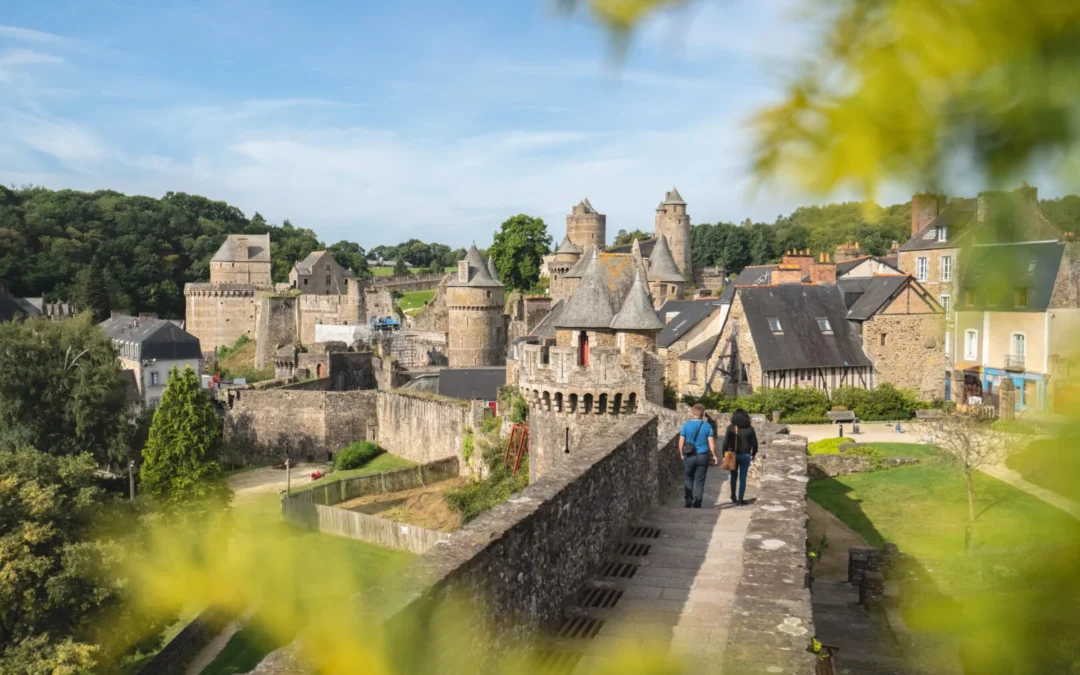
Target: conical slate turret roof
568 246
637 312
662 265
579 268
492 272
589 306
588 206
674 197
479 275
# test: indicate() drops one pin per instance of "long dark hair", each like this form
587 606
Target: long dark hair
740 418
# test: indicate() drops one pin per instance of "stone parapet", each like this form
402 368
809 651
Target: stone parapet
772 623
223 290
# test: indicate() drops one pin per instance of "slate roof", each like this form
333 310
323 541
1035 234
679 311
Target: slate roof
578 270
701 352
645 245
546 327
304 266
1009 218
673 197
997 273
568 246
471 383
9 307
801 343
662 264
756 275
584 203
492 272
156 338
258 248
479 275
590 305
637 311
864 296
691 313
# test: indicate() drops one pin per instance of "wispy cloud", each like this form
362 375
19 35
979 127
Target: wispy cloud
613 73
12 61
29 35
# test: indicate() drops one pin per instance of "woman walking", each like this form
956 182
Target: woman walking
740 439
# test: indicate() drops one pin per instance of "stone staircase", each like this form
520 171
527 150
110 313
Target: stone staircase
867 644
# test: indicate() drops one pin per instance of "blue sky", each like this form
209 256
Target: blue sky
377 122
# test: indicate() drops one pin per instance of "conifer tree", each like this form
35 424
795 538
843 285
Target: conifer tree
399 267
182 457
96 293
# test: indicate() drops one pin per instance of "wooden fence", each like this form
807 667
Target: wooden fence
314 508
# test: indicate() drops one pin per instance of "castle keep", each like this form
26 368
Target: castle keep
475 299
673 222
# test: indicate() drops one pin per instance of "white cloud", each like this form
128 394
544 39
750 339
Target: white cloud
29 35
13 60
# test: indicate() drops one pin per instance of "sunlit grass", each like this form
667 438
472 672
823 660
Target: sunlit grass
1050 464
415 299
381 463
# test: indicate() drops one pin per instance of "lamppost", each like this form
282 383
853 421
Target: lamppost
131 478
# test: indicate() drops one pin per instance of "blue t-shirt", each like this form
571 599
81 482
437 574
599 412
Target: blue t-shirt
696 437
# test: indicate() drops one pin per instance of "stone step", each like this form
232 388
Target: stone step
860 663
834 593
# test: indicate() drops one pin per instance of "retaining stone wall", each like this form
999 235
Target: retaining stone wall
832 465
425 428
174 658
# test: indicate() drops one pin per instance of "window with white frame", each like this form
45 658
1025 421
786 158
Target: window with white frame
1019 345
971 344
774 325
823 324
154 379
922 268
946 268
946 304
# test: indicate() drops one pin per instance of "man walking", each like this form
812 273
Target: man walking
697 447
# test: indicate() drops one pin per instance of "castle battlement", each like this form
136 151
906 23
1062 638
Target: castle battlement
223 290
613 382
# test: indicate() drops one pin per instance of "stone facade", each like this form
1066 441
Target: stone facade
913 353
435 316
586 227
424 427
264 425
218 314
477 335
320 274
673 222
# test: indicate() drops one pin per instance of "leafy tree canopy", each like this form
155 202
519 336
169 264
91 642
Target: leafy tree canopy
518 250
623 237
60 388
182 457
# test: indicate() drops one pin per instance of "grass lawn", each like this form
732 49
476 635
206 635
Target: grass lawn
1050 463
916 450
311 557
415 299
384 462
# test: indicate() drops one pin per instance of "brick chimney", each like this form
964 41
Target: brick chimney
924 208
848 252
823 272
147 315
463 271
803 259
787 273
241 249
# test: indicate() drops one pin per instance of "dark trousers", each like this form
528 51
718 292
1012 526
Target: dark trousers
694 469
742 464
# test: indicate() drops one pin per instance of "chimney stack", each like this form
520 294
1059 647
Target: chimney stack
787 273
463 271
823 273
924 208
802 259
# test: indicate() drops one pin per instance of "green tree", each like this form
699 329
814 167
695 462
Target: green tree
400 269
60 388
182 457
95 294
63 609
623 237
351 256
518 250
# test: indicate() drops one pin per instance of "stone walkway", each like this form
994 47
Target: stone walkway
669 588
1013 478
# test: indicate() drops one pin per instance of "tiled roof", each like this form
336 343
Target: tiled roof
757 275
471 383
674 197
589 306
568 246
690 314
999 274
258 248
479 274
662 264
157 338
637 311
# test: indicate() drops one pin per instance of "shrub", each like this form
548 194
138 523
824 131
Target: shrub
475 498
827 446
519 410
491 424
671 397
884 403
356 455
871 453
467 441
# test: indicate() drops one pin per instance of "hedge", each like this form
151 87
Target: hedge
804 406
356 455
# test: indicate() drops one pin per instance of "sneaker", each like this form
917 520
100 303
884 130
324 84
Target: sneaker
743 502
734 501
697 505
688 505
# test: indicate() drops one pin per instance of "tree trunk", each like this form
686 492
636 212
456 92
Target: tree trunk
970 494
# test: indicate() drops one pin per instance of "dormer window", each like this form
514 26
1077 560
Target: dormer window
1031 268
774 325
823 324
942 232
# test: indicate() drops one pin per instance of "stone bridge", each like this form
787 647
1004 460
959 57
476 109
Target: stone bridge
599 555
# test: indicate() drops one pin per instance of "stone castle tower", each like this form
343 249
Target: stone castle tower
585 227
673 222
474 300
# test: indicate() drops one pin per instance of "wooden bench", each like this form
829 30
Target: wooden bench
839 416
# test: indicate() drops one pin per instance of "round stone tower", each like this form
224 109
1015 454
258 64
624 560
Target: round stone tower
673 222
585 227
558 265
474 300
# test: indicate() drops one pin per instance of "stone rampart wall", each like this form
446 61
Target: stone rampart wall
410 282
832 465
772 623
276 327
519 563
175 657
264 425
424 428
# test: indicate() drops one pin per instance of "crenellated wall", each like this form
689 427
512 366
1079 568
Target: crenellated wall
219 314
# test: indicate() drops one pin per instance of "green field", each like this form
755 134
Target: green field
384 462
303 576
1050 463
923 508
414 299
